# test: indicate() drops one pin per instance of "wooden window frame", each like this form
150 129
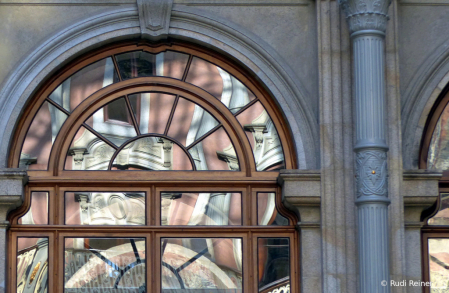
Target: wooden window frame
56 181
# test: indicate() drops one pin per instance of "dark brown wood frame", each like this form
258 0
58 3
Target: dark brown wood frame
248 181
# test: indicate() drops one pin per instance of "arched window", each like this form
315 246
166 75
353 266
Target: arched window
435 155
152 168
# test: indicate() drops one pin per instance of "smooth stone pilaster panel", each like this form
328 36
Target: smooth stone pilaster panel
11 195
301 193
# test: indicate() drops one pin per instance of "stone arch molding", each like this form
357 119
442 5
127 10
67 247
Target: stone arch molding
426 86
184 23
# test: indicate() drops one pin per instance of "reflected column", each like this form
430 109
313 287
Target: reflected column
367 22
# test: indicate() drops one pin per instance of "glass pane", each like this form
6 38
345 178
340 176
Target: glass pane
152 153
105 208
222 85
143 64
438 155
190 122
274 264
263 138
104 265
41 136
83 83
38 212
439 264
113 122
32 265
215 152
174 64
197 264
88 152
442 216
152 111
267 214
206 209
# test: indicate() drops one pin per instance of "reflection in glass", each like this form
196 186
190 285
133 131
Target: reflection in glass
263 137
152 111
104 265
202 263
32 265
267 214
439 264
113 122
222 85
41 136
152 153
206 209
83 83
144 64
215 152
190 122
88 152
105 208
38 212
274 264
438 154
442 216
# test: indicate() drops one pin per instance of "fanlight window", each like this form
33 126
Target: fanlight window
211 221
174 126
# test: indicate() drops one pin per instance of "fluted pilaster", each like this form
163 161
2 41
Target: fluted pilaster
367 20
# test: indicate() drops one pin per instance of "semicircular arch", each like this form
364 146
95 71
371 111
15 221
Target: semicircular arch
123 24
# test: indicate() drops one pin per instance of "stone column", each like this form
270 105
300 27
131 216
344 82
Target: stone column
11 194
367 20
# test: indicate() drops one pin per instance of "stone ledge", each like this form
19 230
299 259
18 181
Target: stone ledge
420 183
301 192
420 191
11 191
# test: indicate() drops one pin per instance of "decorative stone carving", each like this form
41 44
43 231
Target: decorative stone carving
26 160
104 208
371 173
167 146
283 289
366 14
78 157
154 16
228 155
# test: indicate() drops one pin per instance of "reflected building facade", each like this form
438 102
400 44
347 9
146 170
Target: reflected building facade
224 146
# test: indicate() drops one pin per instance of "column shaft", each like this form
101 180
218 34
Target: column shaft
371 161
367 22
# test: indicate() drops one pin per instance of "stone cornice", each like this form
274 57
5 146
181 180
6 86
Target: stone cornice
363 15
301 192
11 191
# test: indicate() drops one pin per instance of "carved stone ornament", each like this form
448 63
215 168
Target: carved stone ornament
371 170
154 16
366 14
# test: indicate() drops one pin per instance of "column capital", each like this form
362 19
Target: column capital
366 16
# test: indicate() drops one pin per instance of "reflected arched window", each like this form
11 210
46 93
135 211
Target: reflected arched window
152 169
